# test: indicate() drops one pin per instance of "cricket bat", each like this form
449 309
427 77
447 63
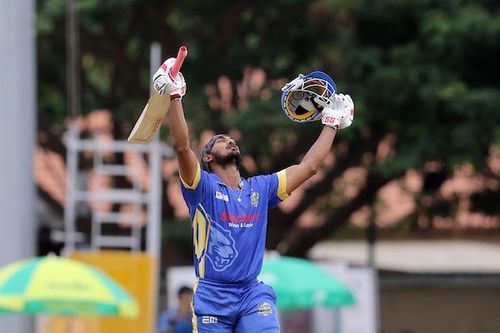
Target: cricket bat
156 109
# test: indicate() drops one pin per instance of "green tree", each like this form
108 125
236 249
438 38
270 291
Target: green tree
424 77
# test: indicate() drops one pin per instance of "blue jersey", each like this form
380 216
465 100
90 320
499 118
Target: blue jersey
229 225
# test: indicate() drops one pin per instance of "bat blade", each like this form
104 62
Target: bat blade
151 119
156 109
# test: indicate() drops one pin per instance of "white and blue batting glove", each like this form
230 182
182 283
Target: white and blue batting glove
332 117
339 113
164 83
347 103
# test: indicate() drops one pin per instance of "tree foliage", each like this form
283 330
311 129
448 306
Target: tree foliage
424 76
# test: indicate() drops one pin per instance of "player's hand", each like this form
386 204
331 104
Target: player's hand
339 113
164 83
332 117
345 102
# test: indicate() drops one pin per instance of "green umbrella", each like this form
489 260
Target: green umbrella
55 285
302 284
4 311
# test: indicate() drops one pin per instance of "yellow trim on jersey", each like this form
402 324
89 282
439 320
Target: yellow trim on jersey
196 180
196 282
201 267
201 231
194 320
282 193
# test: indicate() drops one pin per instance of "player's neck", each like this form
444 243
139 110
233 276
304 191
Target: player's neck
229 174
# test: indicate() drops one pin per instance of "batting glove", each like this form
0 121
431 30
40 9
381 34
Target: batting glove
339 113
348 106
332 118
164 83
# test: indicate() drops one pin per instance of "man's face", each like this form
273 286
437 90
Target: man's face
225 151
185 299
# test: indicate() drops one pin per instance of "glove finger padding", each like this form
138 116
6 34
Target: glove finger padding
348 105
339 113
164 83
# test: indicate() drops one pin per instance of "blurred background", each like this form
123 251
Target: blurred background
405 210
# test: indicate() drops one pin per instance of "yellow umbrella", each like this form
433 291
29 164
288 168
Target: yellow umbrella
56 285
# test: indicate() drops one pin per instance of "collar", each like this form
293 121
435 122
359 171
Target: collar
220 181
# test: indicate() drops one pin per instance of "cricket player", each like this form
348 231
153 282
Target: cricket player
229 213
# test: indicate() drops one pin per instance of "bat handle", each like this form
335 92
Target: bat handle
181 55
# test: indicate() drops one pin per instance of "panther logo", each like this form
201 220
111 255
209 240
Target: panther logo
221 248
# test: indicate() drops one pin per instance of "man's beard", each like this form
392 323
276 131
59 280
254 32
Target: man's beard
229 159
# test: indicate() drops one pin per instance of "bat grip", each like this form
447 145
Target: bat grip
181 55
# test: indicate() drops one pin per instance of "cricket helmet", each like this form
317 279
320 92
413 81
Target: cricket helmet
304 98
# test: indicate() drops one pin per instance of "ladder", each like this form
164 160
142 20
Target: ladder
135 197
150 201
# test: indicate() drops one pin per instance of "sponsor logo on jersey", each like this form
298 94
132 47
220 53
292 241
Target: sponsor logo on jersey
209 320
221 196
227 217
265 309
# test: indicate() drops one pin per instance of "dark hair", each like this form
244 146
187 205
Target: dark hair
206 150
184 290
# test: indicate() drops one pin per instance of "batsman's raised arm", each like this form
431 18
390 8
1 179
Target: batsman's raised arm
179 134
298 174
188 163
309 98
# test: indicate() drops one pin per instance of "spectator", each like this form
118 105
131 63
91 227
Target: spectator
178 320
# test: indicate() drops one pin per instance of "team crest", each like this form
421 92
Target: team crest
265 309
254 199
